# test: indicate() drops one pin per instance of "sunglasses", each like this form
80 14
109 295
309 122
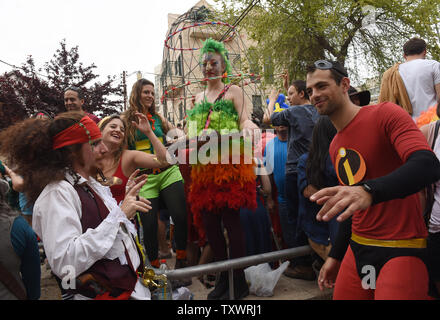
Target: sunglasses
327 65
73 88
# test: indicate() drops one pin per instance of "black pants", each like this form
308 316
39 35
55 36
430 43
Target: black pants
433 263
173 197
214 232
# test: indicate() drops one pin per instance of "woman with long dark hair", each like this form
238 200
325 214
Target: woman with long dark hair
315 171
164 185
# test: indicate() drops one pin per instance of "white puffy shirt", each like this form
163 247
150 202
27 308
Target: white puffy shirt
57 221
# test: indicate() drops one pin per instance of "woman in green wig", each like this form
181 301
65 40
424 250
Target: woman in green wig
220 188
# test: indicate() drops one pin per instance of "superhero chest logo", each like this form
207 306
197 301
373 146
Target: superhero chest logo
350 166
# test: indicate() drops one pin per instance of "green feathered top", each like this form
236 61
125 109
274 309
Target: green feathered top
224 118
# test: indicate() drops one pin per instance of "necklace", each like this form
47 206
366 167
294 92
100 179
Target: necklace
105 176
109 165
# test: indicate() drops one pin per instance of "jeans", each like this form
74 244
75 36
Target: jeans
287 224
292 234
256 227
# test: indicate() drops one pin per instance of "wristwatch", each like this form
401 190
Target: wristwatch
367 188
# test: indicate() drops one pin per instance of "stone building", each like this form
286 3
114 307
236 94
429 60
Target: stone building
178 78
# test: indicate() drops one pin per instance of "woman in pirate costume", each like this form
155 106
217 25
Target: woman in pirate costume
87 236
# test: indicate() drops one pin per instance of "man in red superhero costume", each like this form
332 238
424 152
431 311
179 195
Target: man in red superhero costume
382 160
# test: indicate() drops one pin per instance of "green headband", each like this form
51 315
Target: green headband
211 45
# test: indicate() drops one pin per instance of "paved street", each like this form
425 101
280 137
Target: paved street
286 289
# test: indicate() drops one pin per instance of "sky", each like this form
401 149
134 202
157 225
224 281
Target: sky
115 35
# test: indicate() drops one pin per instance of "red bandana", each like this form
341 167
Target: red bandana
84 131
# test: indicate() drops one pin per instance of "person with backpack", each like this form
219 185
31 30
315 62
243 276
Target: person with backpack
19 256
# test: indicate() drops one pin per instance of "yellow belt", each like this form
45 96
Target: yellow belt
406 243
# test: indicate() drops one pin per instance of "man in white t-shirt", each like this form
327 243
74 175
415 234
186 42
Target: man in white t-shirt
421 76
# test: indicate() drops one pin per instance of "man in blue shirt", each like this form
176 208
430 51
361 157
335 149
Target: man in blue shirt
300 119
275 155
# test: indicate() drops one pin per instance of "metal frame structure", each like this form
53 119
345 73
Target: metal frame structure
180 66
232 264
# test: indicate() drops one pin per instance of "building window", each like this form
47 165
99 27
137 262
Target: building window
178 66
180 111
268 70
165 108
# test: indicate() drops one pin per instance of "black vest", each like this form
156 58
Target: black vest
110 273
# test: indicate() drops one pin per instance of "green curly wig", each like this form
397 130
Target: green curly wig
210 45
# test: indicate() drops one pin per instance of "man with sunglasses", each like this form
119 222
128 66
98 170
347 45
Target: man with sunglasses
74 101
300 119
382 160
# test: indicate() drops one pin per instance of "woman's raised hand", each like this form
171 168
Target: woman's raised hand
144 123
133 180
274 93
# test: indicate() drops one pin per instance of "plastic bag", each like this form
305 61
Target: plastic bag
182 293
262 279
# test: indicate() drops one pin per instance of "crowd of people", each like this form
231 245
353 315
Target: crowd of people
355 181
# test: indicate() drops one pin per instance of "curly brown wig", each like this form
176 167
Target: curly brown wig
28 146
